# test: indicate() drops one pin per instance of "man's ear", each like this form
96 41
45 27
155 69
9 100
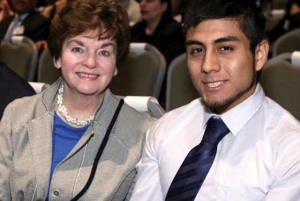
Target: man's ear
57 63
261 54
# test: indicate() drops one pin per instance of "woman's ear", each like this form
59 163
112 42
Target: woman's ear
57 63
116 71
261 54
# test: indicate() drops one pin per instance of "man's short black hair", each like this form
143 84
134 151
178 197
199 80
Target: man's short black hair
250 18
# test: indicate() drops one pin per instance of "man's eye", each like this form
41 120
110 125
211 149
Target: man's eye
226 48
196 50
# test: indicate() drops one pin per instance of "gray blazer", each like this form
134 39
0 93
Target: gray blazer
26 149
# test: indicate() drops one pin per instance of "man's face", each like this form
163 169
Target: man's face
221 65
23 6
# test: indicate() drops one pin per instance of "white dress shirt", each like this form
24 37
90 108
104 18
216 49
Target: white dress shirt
258 160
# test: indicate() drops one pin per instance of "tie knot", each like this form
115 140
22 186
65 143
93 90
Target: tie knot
215 130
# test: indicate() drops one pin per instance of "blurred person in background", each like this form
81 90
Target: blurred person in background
76 139
12 86
5 9
179 7
159 29
25 22
290 21
133 10
50 11
59 4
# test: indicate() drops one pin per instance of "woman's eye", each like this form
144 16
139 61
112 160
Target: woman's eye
104 52
76 49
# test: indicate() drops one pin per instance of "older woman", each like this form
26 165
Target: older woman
75 139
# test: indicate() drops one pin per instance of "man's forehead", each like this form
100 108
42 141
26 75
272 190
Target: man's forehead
219 22
215 29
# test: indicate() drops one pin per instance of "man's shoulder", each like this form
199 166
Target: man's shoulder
279 118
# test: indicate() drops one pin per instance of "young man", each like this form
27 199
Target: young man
233 143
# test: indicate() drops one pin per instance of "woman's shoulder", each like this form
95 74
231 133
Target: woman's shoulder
23 110
135 117
25 104
130 116
33 106
131 126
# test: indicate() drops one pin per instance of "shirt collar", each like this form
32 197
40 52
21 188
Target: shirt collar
238 116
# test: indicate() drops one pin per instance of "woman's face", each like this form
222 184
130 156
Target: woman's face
87 64
152 10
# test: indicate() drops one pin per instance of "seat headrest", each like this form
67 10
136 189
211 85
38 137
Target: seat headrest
295 58
140 103
137 48
17 40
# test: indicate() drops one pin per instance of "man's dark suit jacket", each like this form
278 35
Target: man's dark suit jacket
36 26
12 86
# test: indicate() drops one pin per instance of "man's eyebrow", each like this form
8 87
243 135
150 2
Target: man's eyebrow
226 39
219 40
193 42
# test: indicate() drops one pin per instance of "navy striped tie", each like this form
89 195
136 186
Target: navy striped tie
197 163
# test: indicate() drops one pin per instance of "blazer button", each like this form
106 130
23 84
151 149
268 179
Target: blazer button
56 193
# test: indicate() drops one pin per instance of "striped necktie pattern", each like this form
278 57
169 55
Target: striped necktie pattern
197 163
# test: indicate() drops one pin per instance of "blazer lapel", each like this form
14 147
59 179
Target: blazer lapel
4 26
40 134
